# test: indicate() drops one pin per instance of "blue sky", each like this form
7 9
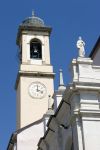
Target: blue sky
68 18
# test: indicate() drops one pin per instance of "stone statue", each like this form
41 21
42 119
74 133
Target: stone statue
50 102
80 45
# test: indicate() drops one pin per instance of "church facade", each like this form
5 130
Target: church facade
76 123
66 119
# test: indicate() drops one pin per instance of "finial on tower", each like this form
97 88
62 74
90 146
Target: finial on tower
80 45
33 14
61 82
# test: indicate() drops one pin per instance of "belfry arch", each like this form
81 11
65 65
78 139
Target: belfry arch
35 49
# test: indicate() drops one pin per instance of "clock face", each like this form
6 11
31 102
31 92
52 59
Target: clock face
37 90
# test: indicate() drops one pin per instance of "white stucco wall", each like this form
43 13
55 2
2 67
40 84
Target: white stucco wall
28 138
30 109
18 94
91 129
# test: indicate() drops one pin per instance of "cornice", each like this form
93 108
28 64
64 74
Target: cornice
31 28
33 74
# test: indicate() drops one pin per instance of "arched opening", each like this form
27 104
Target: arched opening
35 49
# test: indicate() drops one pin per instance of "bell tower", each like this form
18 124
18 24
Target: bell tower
35 76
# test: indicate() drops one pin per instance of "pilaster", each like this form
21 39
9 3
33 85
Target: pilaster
85 104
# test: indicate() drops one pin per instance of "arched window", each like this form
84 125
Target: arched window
35 49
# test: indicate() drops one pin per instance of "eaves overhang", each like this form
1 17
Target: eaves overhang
23 28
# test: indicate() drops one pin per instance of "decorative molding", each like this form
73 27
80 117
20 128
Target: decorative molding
33 74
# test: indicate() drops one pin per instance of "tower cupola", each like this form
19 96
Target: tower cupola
33 21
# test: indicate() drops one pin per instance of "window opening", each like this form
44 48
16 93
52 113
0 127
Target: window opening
35 49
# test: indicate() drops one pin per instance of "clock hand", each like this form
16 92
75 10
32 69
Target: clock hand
38 89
